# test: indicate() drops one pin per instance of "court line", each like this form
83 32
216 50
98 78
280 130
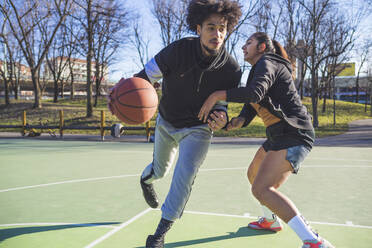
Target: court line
110 233
348 223
69 181
338 159
137 175
56 224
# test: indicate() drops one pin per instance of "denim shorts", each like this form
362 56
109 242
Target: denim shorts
296 155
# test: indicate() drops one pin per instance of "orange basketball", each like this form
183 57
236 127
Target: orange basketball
134 100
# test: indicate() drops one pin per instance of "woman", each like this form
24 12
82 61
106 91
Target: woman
271 94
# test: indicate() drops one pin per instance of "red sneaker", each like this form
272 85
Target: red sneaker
264 224
322 243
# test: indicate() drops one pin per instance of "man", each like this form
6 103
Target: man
191 69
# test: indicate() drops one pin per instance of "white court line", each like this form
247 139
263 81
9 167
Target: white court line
338 159
69 181
336 166
137 175
57 224
107 235
348 223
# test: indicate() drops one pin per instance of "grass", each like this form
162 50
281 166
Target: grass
75 112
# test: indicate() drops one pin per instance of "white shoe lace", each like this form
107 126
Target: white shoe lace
261 219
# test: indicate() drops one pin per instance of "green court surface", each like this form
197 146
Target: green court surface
57 193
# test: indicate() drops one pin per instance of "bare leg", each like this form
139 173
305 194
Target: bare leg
272 173
255 164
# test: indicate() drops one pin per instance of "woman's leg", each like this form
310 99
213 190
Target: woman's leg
270 220
255 164
273 172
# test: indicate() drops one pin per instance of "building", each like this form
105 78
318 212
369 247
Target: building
345 89
20 69
79 69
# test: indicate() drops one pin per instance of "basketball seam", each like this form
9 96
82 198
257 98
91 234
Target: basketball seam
132 106
129 91
123 115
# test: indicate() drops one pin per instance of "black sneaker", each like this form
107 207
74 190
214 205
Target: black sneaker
154 242
149 194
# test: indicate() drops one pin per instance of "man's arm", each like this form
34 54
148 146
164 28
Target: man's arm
151 72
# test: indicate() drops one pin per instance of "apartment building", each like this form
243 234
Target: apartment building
79 69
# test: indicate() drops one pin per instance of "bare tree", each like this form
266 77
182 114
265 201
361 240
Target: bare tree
341 39
57 62
369 77
87 15
74 34
319 13
364 51
110 33
242 30
171 16
92 16
141 44
5 65
26 23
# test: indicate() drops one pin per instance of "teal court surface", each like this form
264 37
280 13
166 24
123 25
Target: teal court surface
57 193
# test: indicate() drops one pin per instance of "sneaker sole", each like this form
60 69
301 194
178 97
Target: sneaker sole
276 229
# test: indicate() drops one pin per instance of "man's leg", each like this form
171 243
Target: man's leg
165 150
194 143
192 152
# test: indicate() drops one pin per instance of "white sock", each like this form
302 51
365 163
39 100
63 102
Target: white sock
268 214
302 230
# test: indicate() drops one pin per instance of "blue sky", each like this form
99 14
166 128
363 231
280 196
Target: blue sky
128 67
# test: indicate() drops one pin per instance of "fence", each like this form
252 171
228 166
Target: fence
61 127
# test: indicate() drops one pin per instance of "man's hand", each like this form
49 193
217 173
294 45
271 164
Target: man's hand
217 121
236 122
216 96
109 97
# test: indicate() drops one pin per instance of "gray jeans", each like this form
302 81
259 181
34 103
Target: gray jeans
193 144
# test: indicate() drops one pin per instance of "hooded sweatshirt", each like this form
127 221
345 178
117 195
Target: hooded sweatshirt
270 85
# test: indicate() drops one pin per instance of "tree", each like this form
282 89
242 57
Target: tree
56 62
341 39
363 51
110 33
141 44
93 16
4 64
171 16
28 22
241 30
369 76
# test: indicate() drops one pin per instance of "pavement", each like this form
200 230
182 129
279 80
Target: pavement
358 135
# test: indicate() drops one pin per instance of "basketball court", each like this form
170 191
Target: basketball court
57 193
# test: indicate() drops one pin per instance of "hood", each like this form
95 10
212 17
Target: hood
278 59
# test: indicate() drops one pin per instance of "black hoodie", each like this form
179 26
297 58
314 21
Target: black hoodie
270 84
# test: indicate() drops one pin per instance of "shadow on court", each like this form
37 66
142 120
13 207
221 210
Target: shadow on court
17 231
242 232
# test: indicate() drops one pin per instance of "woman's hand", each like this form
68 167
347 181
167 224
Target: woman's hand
235 123
217 121
216 96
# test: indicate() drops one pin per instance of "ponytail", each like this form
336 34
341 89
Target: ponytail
279 50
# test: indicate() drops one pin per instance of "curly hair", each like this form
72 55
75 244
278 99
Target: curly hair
200 10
